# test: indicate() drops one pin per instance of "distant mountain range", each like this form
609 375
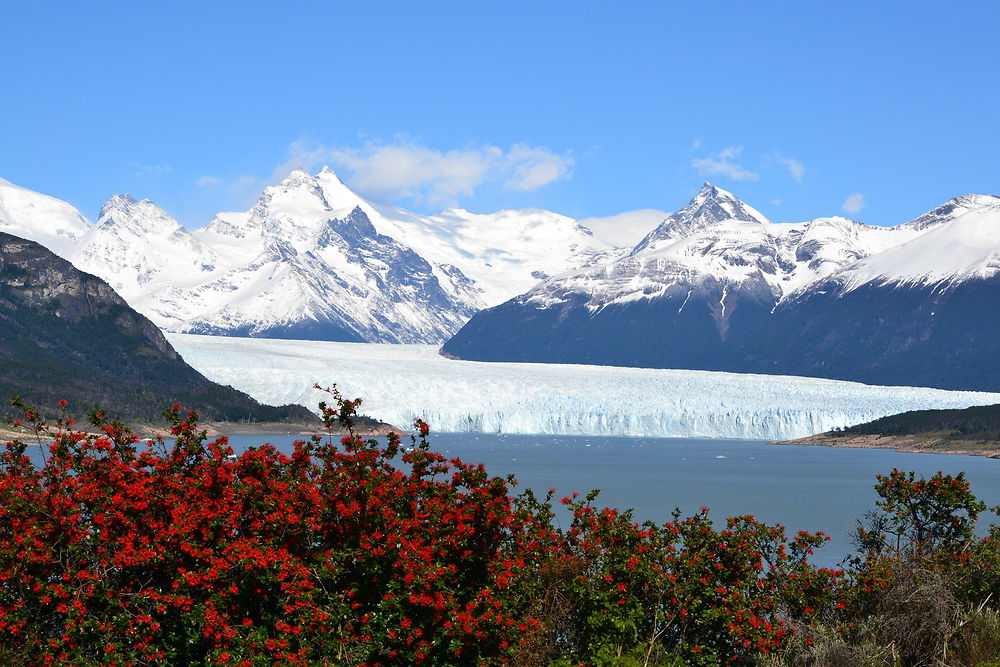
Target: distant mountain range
311 259
716 286
65 334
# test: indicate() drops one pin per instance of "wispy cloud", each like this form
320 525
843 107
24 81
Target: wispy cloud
533 167
300 156
795 168
405 169
394 171
150 169
722 163
854 203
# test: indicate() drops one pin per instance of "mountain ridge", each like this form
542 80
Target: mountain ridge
823 298
395 277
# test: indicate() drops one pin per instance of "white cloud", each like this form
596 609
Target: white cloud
407 170
722 163
533 167
795 168
394 171
776 202
625 229
730 152
854 203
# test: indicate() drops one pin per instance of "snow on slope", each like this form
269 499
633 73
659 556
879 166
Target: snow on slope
402 277
961 241
504 253
40 218
141 250
705 210
310 259
297 260
716 244
401 382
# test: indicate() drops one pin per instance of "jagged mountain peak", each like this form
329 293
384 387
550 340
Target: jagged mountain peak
141 216
298 175
953 208
711 206
716 203
122 198
354 225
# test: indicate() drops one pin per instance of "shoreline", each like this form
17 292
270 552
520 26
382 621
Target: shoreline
915 444
215 429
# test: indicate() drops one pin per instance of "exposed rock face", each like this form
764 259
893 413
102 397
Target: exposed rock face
65 334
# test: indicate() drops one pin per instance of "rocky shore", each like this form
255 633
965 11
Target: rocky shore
923 443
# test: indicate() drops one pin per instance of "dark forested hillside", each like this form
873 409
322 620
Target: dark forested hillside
65 334
979 422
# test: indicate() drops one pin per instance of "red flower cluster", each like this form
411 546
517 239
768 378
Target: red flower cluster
118 551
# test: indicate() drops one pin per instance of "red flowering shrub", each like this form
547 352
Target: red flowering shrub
119 551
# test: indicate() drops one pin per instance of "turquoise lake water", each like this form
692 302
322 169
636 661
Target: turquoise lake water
803 488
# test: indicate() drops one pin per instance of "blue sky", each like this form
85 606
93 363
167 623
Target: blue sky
587 109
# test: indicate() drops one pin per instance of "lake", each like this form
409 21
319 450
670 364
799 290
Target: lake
804 488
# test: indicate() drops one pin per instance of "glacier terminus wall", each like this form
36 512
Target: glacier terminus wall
401 382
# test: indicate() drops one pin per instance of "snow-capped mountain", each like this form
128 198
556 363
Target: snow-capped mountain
961 242
503 254
719 252
709 207
140 250
311 259
40 218
717 286
295 266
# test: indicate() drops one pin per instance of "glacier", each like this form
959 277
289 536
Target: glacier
399 383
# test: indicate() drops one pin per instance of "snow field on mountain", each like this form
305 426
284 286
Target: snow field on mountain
967 247
40 218
401 382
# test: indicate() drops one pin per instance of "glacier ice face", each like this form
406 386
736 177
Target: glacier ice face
401 382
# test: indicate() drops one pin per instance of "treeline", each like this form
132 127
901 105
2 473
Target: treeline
975 423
